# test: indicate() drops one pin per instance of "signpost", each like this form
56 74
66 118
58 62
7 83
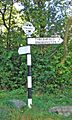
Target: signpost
29 29
24 50
50 40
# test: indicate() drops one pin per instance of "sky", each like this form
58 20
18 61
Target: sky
19 6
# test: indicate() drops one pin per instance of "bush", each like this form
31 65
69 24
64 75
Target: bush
48 74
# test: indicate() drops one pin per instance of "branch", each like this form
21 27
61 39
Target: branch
3 18
2 11
54 51
10 15
69 21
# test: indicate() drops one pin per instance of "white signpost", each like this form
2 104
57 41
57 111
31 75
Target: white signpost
29 29
24 50
50 40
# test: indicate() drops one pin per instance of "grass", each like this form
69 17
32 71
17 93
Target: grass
40 107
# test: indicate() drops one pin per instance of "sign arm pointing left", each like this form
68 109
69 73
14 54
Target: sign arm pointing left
24 50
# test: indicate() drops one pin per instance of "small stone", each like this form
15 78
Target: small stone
62 110
66 114
17 103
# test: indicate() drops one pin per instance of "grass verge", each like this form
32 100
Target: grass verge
40 107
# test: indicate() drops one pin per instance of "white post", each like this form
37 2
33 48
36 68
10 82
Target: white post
29 79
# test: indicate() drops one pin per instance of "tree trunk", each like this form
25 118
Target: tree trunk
66 39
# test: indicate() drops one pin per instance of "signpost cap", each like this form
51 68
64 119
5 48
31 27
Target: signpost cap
28 28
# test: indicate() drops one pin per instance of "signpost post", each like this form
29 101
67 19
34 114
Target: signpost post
29 29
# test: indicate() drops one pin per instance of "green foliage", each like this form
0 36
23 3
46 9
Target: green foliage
48 73
11 71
